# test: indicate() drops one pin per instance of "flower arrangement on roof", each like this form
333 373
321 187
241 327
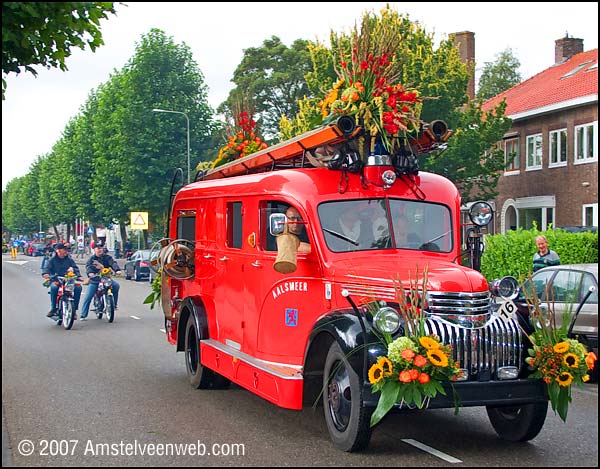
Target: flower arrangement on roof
243 141
369 86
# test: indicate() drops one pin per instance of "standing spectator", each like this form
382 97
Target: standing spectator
544 257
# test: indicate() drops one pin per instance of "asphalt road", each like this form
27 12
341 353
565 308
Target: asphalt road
117 395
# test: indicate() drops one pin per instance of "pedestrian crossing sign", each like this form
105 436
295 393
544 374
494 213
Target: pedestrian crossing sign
139 220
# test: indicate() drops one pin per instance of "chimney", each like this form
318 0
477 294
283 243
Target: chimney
465 41
566 47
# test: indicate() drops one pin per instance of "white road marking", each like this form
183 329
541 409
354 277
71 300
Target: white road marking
134 317
17 262
430 450
163 331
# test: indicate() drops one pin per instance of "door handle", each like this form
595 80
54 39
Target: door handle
224 258
256 264
208 256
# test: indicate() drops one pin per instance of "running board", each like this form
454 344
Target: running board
278 383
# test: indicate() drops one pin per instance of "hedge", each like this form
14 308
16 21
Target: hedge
512 253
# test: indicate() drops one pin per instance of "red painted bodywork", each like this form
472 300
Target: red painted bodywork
245 299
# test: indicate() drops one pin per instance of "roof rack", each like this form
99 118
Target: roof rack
287 154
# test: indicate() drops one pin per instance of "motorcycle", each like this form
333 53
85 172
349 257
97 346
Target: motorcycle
65 299
104 301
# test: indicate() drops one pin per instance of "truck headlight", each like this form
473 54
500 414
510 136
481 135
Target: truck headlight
387 320
505 287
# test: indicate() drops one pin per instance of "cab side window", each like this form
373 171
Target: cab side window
234 224
266 209
186 225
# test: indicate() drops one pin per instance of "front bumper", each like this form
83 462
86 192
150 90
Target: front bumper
481 393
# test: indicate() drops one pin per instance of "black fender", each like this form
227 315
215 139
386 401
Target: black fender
359 343
191 306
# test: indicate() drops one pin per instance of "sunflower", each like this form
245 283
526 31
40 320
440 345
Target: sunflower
437 357
105 271
429 343
571 360
386 365
561 347
376 373
564 379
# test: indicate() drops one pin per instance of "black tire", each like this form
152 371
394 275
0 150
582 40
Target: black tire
200 377
518 423
110 308
348 420
127 276
68 314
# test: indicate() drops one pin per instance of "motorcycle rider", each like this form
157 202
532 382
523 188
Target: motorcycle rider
59 265
93 266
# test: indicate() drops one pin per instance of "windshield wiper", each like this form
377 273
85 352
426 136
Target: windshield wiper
438 237
341 236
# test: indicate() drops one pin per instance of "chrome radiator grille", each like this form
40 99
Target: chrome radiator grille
483 350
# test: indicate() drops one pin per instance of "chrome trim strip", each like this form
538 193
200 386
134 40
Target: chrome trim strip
263 365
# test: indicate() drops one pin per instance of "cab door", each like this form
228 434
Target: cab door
280 308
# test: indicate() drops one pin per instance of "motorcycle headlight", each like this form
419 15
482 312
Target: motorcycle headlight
387 319
69 286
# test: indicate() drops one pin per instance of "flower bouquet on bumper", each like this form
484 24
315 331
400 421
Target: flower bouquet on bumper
557 358
416 364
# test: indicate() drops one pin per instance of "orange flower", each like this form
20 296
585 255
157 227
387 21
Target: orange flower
420 360
407 354
423 378
404 377
590 359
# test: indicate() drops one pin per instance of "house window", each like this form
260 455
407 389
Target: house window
534 151
558 148
590 215
540 217
234 224
586 143
512 160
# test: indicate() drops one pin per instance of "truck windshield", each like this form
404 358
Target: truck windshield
368 224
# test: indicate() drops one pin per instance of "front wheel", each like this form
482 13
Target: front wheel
110 308
68 315
200 377
518 423
348 420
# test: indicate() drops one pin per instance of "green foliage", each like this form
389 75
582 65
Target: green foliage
512 253
473 161
273 75
499 76
43 33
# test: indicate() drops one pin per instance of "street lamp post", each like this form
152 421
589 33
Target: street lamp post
187 119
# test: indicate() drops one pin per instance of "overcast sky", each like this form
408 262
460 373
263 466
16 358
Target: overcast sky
36 110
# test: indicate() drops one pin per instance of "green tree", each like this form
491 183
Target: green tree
273 75
136 150
43 33
472 160
500 75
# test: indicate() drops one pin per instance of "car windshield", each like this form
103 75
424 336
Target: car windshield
144 255
356 225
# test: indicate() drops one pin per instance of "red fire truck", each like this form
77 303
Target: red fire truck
287 325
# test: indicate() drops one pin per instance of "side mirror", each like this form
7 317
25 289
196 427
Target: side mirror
277 223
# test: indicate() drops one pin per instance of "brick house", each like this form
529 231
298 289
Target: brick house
552 147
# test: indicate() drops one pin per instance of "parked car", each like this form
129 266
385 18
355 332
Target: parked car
579 229
563 287
138 266
36 249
